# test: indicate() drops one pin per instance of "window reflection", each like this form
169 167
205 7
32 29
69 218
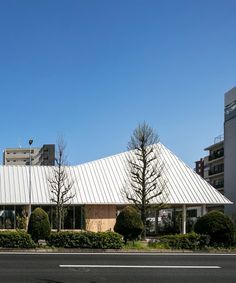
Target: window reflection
230 111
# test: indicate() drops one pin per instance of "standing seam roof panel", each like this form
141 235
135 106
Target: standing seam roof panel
174 177
23 184
99 195
100 186
102 181
170 180
85 198
76 184
184 178
112 176
88 186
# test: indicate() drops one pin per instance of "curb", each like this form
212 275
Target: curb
107 251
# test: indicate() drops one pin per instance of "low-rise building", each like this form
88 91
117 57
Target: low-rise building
98 189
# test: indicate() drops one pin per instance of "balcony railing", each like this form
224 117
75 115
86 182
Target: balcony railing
215 171
216 155
218 186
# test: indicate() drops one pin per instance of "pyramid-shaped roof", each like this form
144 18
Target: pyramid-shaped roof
102 182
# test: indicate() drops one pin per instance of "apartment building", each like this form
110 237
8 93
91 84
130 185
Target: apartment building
218 167
211 167
214 165
21 156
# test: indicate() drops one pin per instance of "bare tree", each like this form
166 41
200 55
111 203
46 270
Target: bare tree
60 184
145 182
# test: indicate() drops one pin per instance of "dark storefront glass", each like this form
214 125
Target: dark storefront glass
15 217
7 217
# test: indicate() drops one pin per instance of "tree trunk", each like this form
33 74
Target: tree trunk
58 220
143 217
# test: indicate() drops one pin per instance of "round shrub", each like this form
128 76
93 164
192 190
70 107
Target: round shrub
129 224
218 226
39 226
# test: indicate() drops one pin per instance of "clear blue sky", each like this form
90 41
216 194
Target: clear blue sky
92 70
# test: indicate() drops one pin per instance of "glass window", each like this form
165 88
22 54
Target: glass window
192 213
72 217
2 217
9 217
21 217
69 217
79 217
230 111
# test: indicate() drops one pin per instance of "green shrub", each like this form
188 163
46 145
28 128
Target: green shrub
15 239
100 240
39 226
218 226
191 241
21 222
129 224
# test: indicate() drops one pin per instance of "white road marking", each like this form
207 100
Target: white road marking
141 266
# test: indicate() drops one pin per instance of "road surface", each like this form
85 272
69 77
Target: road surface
114 268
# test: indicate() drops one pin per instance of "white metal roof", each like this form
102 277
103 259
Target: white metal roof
102 182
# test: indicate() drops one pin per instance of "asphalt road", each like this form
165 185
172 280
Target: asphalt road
112 268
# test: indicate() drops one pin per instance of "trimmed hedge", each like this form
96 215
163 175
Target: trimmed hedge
16 239
100 240
191 241
218 226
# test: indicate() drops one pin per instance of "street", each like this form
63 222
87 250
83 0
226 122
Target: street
109 267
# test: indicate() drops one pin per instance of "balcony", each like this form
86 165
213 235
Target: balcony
216 155
218 185
216 171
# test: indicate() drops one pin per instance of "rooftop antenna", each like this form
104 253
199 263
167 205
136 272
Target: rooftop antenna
219 138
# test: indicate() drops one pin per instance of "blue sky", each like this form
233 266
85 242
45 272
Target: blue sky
92 70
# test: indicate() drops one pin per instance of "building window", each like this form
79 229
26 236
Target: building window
191 213
216 169
230 111
7 217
